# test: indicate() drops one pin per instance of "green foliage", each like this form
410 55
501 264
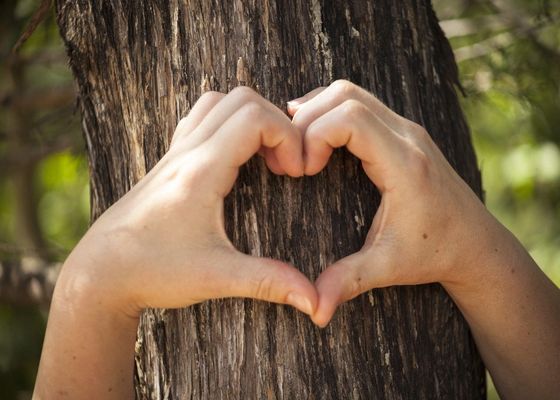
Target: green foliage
64 203
21 337
513 107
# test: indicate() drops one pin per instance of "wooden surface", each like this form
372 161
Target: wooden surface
140 66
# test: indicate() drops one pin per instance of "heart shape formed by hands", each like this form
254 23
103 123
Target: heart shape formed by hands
163 244
172 222
421 193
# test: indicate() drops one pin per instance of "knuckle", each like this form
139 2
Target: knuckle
418 156
181 124
210 95
353 109
244 93
418 132
253 111
195 168
421 165
180 129
343 89
343 86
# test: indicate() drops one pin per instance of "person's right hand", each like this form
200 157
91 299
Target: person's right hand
164 244
428 220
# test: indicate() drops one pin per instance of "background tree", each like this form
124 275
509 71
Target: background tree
512 91
140 67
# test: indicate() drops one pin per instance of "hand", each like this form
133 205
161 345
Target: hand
164 244
416 236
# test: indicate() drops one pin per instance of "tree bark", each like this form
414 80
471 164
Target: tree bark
140 66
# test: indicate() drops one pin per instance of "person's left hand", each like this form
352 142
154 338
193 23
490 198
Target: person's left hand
414 238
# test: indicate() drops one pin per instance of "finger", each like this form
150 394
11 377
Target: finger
337 93
252 126
202 107
272 162
228 106
225 272
293 105
353 125
264 279
346 279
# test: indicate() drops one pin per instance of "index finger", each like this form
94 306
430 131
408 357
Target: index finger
336 94
253 126
353 125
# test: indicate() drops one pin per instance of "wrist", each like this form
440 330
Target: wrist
489 254
478 242
90 281
87 337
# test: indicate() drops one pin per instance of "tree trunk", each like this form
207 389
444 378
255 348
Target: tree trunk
141 65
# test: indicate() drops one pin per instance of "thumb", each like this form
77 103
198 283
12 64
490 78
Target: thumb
346 279
267 279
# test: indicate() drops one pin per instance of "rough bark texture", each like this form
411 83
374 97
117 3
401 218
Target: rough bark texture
140 66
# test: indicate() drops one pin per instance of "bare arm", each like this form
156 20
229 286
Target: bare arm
164 245
431 227
513 311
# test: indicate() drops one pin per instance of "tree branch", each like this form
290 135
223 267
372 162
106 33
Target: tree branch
484 47
524 27
468 26
38 17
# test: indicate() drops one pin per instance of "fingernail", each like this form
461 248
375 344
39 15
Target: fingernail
300 302
295 103
292 104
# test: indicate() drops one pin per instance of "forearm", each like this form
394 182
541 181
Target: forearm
88 351
513 311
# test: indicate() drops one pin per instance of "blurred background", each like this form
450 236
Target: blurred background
508 53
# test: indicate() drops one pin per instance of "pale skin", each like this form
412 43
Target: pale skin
164 244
